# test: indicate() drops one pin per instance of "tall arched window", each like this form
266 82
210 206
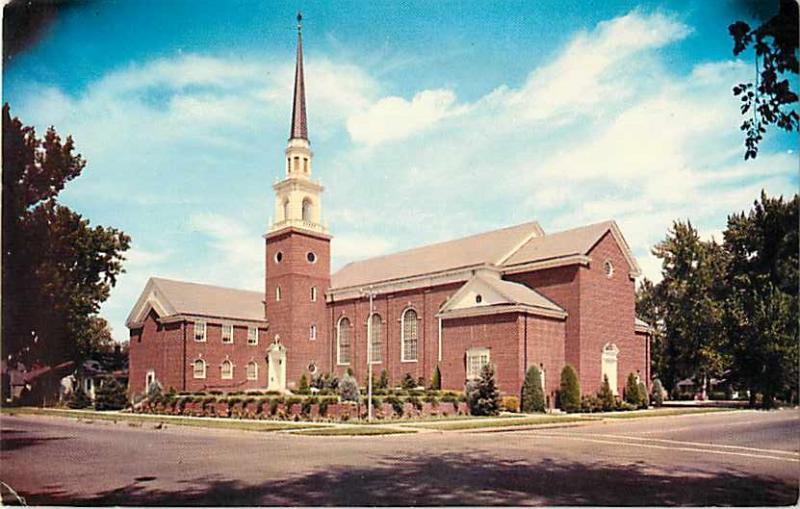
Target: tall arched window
609 365
306 209
226 370
376 338
285 210
343 341
252 370
199 368
409 336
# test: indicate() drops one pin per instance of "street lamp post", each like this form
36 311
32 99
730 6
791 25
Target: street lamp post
371 295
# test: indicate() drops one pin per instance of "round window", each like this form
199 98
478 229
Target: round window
608 268
478 299
311 257
279 257
312 368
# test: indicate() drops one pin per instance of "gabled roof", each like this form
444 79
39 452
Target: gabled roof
497 295
490 248
169 298
574 242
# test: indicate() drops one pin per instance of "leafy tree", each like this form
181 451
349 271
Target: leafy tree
383 381
436 379
632 390
569 395
691 291
649 307
348 388
58 268
769 100
762 299
606 397
532 391
302 385
657 396
483 397
110 395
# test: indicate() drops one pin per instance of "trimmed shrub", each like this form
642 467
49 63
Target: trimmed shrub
414 400
482 395
644 401
397 404
632 391
79 399
383 380
591 404
532 392
348 389
302 385
436 379
605 397
569 394
658 393
110 396
431 398
510 403
408 382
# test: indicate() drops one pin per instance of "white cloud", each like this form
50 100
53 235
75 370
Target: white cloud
348 247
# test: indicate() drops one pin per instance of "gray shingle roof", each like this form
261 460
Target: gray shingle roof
209 300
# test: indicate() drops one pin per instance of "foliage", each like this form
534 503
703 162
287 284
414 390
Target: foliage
657 395
302 385
397 404
325 382
348 388
605 397
79 399
770 100
383 380
569 394
510 403
644 400
408 382
632 390
57 267
110 395
155 392
436 379
532 392
591 404
649 307
482 395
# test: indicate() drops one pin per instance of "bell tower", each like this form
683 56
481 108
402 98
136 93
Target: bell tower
298 253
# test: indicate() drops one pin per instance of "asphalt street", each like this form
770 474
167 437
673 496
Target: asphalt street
731 458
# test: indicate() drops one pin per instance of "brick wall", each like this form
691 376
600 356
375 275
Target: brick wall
155 347
545 350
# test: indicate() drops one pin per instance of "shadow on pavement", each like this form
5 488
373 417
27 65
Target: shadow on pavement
459 479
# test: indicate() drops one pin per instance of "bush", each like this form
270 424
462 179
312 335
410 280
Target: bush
482 395
430 397
605 397
436 379
591 403
408 382
79 399
414 400
348 389
569 394
510 403
397 405
383 381
302 385
644 401
632 391
658 393
110 395
532 392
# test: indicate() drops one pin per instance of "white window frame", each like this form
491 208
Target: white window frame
312 332
252 335
313 294
194 369
339 342
371 328
608 268
277 293
229 328
200 325
255 376
609 365
222 370
476 359
403 357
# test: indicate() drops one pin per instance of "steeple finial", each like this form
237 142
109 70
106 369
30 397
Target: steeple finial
299 122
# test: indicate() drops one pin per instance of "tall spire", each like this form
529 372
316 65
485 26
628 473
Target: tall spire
299 123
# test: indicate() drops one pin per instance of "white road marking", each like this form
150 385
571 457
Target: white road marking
668 448
700 444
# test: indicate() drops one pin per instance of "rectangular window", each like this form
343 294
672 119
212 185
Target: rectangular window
227 333
477 358
252 335
313 294
312 333
199 331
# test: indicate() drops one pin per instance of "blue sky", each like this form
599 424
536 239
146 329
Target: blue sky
428 120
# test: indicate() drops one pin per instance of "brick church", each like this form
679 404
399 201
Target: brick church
514 297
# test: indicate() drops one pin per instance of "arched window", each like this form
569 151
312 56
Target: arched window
277 293
305 165
285 210
199 368
312 333
306 209
609 365
252 370
226 370
409 336
376 339
313 294
343 341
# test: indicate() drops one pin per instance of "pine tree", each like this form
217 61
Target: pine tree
532 392
632 391
79 399
644 401
606 396
110 395
348 388
570 390
302 386
408 382
483 397
436 379
658 393
383 381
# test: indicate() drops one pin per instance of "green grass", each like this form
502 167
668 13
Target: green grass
134 419
350 431
478 423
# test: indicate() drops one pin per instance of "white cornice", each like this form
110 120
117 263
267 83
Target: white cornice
548 264
496 310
